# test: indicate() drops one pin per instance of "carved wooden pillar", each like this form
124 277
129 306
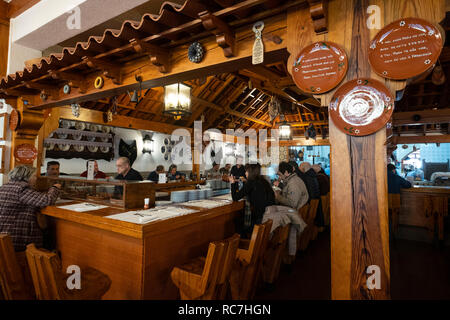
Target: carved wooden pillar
359 217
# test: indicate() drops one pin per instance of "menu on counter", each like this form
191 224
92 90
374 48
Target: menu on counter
150 215
83 207
319 67
405 48
208 203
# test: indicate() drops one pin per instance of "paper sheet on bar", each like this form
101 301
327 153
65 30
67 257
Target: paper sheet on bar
83 207
208 203
150 215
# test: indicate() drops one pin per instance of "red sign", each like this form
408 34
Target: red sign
405 48
14 119
319 67
25 153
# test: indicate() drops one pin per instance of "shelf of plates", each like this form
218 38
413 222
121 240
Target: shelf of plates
78 139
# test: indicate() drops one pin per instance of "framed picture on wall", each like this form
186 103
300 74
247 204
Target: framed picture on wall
3 126
2 159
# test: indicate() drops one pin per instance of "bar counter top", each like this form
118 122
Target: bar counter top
428 189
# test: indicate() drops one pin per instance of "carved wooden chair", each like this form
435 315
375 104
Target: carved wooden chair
51 284
394 211
13 283
206 278
248 269
308 234
273 255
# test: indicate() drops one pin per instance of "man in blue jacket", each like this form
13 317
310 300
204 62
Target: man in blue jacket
395 182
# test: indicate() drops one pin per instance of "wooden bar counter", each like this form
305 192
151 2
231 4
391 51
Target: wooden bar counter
138 258
424 206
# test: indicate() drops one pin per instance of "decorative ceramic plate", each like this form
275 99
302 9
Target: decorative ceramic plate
169 149
49 146
64 147
405 48
104 149
92 148
78 148
361 107
163 149
166 157
62 135
76 136
91 138
80 126
106 129
319 67
65 124
94 128
104 139
166 141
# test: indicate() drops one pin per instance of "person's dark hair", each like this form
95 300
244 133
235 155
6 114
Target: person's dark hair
284 166
214 164
294 164
254 175
160 168
390 167
172 166
52 163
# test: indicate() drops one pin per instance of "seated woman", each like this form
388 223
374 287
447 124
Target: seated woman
258 192
174 174
19 205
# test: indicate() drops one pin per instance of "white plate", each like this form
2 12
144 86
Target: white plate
50 146
92 148
104 149
78 148
104 139
90 138
94 128
106 129
80 126
62 135
64 147
65 124
76 136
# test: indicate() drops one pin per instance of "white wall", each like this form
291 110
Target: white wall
144 162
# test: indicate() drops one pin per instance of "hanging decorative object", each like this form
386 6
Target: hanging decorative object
310 132
66 89
43 96
98 83
148 144
75 109
285 129
274 108
177 99
258 45
196 52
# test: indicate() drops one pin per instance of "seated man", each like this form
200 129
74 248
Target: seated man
226 169
125 172
323 179
53 169
294 193
395 182
97 173
214 172
173 174
416 174
154 175
238 170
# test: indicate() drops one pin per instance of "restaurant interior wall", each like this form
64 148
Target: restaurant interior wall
429 152
144 163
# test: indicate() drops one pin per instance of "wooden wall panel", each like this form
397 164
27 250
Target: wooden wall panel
4 42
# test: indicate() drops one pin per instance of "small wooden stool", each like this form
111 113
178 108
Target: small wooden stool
274 253
12 280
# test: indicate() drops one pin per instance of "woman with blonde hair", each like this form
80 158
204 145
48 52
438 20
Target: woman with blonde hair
20 204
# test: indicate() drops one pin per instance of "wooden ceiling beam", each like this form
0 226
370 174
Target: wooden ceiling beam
225 37
426 117
110 70
444 138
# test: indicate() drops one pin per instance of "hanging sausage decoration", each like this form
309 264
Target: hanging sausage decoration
196 52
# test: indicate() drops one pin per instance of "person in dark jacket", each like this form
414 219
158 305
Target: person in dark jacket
395 182
238 170
174 174
19 207
125 172
258 192
323 179
154 175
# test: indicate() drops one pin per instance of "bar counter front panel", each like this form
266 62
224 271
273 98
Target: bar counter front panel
138 258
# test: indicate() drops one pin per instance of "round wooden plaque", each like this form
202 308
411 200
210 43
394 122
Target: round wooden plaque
14 120
405 48
361 107
319 67
25 153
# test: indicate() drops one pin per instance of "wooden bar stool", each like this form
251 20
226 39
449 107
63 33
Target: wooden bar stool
274 253
394 205
207 278
50 282
12 281
308 234
246 273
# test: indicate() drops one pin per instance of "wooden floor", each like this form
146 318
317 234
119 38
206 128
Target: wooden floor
418 271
